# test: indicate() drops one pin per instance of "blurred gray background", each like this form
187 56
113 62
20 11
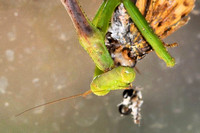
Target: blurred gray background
41 60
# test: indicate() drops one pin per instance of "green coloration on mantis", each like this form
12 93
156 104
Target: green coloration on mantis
104 14
118 78
102 19
148 33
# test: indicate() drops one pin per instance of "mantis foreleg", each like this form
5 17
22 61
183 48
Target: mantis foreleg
102 20
104 14
91 39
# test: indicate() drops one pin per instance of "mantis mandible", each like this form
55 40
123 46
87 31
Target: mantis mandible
91 34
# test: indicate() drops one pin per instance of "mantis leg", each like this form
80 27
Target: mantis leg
102 20
148 33
104 14
91 38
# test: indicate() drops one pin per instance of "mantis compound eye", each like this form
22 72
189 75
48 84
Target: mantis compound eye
127 93
124 110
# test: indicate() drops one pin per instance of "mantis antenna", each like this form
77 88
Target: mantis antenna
55 101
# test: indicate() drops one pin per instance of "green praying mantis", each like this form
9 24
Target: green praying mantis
91 34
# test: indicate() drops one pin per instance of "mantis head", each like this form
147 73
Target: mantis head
118 78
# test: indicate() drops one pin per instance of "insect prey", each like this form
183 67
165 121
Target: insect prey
124 41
